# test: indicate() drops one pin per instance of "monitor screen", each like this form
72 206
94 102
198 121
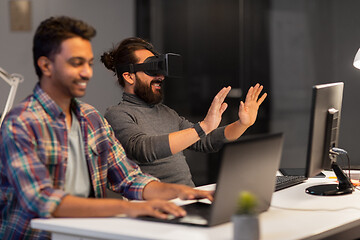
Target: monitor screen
324 132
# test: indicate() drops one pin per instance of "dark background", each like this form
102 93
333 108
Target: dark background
287 46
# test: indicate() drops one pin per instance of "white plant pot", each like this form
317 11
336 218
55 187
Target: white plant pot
246 227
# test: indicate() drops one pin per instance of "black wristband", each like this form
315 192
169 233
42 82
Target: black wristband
199 130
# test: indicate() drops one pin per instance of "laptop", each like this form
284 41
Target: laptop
246 165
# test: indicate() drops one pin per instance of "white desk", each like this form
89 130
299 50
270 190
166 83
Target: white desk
332 215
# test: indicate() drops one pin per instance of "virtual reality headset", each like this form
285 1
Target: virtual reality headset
169 65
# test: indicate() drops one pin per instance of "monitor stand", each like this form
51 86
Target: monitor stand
344 187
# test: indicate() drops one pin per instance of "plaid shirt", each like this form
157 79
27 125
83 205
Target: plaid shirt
33 152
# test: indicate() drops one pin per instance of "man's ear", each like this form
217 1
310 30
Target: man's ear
45 65
129 77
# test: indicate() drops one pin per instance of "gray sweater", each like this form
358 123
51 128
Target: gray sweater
144 129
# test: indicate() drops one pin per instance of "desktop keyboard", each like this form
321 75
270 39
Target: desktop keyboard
288 181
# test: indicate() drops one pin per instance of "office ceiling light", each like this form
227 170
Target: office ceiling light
357 60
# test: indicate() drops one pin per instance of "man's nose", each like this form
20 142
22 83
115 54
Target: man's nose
87 71
162 77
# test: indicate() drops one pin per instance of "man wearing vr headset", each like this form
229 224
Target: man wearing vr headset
154 135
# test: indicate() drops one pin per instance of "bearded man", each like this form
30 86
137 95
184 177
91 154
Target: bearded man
154 135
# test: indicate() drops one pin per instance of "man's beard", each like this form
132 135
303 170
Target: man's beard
146 93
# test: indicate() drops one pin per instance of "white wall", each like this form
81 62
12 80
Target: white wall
113 19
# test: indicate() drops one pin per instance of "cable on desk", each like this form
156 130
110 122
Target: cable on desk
316 209
340 152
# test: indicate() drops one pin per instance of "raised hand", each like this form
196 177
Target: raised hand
217 108
248 110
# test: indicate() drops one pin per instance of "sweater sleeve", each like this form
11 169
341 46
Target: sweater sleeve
132 130
124 176
138 145
211 143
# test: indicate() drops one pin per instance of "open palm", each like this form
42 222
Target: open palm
248 110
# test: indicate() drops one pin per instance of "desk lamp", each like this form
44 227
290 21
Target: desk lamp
13 80
357 60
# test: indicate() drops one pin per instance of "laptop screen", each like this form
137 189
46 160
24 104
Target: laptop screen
246 165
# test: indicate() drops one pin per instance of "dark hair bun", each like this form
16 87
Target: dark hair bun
108 60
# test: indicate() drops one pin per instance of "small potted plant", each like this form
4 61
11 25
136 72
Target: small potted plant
246 220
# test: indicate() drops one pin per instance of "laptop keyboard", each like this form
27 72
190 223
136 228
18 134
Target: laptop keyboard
283 182
198 209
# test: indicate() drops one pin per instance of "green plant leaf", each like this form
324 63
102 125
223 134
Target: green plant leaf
246 203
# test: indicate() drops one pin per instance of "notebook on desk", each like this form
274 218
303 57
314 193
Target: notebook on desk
246 165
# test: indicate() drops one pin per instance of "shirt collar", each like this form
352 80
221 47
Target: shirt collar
50 105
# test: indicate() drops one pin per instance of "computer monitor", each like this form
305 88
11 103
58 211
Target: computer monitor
323 138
